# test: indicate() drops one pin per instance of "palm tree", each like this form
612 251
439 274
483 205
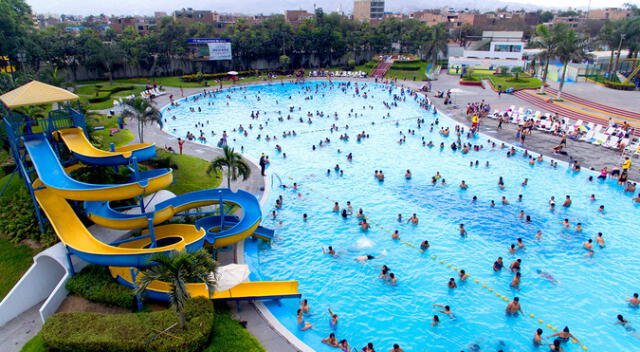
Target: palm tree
177 269
436 43
141 110
233 162
572 48
548 41
610 36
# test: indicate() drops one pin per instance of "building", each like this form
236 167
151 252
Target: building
612 14
142 25
190 15
368 10
496 49
296 17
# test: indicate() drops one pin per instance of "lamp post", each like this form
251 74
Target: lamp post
615 68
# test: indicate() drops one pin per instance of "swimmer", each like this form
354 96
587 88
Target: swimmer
566 223
515 283
424 245
600 239
392 279
626 325
505 201
634 301
567 202
601 209
334 317
514 307
525 182
336 207
396 348
343 345
395 235
331 340
538 235
305 217
463 232
578 227
519 197
515 266
435 320
537 337
463 275
564 335
383 272
364 258
512 249
303 325
500 183
304 306
463 185
407 175
521 214
447 310
498 264
344 213
592 198
452 283
329 251
555 346
547 276
413 219
520 243
368 348
364 225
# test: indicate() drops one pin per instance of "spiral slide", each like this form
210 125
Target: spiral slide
54 186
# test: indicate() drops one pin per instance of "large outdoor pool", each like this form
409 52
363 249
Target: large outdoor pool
588 292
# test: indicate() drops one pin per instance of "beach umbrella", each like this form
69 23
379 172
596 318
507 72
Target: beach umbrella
232 73
231 275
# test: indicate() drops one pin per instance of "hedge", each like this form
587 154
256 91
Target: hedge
133 332
371 64
95 284
411 61
207 76
405 67
620 85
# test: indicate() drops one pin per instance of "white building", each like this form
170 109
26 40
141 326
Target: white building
496 49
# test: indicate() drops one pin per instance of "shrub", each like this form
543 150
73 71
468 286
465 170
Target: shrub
620 85
18 220
102 96
412 67
81 331
199 77
404 62
162 160
96 284
371 64
101 175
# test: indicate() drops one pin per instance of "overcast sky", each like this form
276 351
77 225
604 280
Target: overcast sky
147 7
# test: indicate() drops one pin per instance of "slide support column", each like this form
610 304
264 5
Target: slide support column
72 270
134 273
151 230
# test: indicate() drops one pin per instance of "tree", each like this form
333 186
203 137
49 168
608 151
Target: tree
436 43
572 48
516 70
141 110
610 35
548 41
177 269
546 16
233 162
284 61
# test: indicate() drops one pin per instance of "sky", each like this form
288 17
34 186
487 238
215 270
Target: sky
147 7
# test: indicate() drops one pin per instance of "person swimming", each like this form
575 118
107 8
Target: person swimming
547 276
364 258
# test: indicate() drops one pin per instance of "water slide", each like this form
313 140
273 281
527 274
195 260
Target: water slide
53 175
54 186
244 291
233 230
77 142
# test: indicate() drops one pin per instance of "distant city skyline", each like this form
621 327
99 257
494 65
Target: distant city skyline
130 7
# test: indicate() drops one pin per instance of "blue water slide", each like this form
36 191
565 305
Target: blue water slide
54 176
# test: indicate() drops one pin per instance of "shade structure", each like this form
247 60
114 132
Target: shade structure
36 93
231 275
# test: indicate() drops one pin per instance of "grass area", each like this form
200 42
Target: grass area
14 261
91 89
191 173
36 344
103 137
523 82
229 335
409 75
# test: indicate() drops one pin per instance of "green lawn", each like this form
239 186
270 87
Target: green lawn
90 89
14 261
103 137
417 75
191 174
508 82
36 344
229 335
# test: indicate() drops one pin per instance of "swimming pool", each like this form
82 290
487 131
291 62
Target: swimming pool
589 293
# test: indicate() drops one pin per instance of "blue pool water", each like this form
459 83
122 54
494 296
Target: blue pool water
589 293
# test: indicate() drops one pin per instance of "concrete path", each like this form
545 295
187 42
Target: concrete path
21 329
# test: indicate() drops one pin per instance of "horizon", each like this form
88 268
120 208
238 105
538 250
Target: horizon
129 7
